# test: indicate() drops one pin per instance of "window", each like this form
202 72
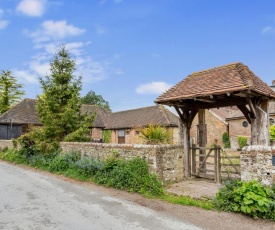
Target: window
121 133
245 124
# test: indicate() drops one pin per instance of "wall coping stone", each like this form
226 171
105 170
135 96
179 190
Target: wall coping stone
137 146
258 148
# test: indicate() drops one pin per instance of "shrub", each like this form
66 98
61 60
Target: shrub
107 136
242 141
272 132
226 140
80 135
89 166
63 162
250 198
155 134
132 175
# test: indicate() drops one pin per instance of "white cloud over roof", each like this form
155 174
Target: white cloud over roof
153 88
55 30
32 8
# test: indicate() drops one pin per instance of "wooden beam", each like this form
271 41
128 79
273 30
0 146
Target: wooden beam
218 104
192 115
252 109
204 100
245 112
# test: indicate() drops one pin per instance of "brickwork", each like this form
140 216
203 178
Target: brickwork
164 160
256 164
97 134
215 128
236 128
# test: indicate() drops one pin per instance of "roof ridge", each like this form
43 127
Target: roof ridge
135 109
217 67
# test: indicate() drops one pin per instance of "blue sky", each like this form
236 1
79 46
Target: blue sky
131 51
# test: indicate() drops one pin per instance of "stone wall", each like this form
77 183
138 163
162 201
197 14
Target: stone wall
164 160
256 163
5 144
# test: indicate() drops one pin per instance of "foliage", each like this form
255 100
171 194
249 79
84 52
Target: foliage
107 136
242 141
272 132
59 106
155 134
10 91
250 198
82 133
63 162
35 142
89 166
226 140
91 98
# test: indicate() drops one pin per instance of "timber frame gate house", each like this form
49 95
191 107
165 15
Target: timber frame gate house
230 85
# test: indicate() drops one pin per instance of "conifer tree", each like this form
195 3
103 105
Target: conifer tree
59 106
10 91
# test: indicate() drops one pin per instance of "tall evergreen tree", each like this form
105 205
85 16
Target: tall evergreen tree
10 91
59 105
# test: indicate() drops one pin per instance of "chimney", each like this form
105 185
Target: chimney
273 82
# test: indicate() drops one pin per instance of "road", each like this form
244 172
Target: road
33 200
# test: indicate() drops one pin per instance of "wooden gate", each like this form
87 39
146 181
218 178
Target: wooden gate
214 164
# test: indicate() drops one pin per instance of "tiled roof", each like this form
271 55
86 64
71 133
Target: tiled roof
224 79
142 117
24 113
102 114
21 113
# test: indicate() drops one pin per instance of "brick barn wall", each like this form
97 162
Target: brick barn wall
236 128
97 133
215 129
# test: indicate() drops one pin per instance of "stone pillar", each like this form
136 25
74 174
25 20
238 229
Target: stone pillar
256 164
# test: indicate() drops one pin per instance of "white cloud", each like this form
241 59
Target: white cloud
54 30
32 8
267 29
153 88
100 29
3 24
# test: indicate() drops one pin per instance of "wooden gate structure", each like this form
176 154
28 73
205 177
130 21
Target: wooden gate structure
215 165
230 85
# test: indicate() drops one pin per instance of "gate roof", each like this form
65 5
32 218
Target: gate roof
217 87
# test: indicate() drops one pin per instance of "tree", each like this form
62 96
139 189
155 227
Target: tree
10 91
93 99
59 105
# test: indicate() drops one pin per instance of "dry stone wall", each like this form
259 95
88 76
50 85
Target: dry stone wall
256 164
5 144
164 160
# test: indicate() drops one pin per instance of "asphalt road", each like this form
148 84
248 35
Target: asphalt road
32 200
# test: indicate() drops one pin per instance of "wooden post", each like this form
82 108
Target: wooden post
219 179
215 165
194 159
260 125
186 145
202 136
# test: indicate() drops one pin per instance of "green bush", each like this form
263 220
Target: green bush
132 175
226 140
88 166
63 162
107 136
242 141
155 134
272 132
250 198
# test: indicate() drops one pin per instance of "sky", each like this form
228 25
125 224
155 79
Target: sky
131 51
